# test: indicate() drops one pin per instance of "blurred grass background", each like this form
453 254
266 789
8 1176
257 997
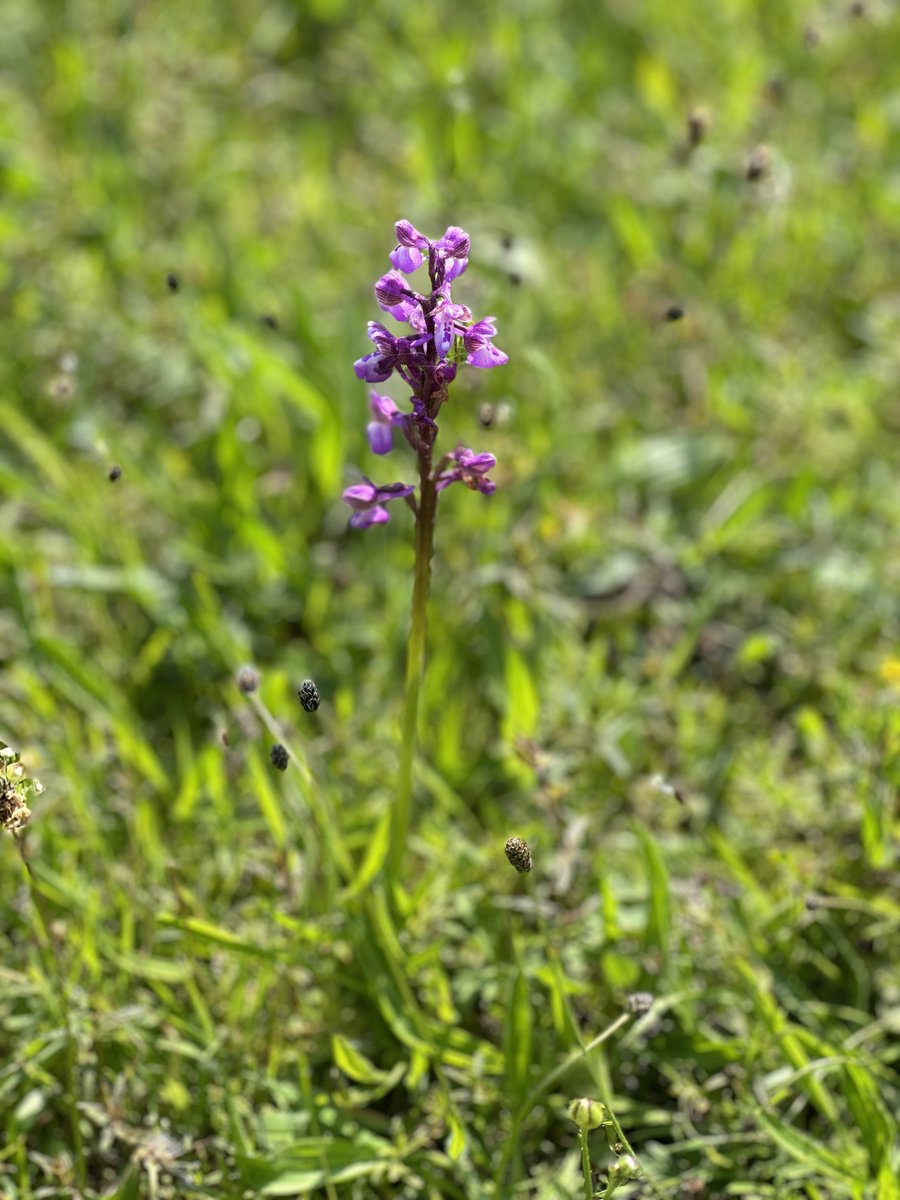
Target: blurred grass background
687 579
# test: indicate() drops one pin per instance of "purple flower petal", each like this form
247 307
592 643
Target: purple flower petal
394 491
383 338
383 408
406 258
391 290
481 331
487 356
373 368
370 516
445 372
381 437
454 268
359 494
368 501
443 337
471 469
455 242
470 461
407 255
386 415
408 235
446 478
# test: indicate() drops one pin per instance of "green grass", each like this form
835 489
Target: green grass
686 582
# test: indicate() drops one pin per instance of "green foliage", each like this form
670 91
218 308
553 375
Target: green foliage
665 652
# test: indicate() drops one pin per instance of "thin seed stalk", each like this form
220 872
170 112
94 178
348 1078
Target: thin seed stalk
586 1164
415 666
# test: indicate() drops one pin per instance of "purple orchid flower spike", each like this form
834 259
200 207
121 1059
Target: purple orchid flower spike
441 336
368 500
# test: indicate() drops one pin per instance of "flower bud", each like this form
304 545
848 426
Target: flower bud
391 290
587 1113
624 1169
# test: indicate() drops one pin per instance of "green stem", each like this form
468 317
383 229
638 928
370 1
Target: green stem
586 1164
315 799
415 666
521 1113
55 973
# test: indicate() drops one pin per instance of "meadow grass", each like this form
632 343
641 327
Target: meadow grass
666 652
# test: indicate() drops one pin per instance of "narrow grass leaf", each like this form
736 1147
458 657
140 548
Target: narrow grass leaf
807 1150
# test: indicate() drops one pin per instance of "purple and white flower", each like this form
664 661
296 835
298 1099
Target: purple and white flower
468 468
368 501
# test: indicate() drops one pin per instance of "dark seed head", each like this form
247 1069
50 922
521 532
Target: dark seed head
173 283
674 312
279 756
639 1003
759 163
248 680
114 473
518 854
309 695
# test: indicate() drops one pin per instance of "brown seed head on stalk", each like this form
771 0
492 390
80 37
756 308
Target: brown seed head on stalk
14 787
248 680
14 812
639 1003
759 163
518 854
698 125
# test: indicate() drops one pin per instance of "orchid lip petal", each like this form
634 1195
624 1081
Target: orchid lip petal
406 259
487 356
454 268
373 368
370 516
381 439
